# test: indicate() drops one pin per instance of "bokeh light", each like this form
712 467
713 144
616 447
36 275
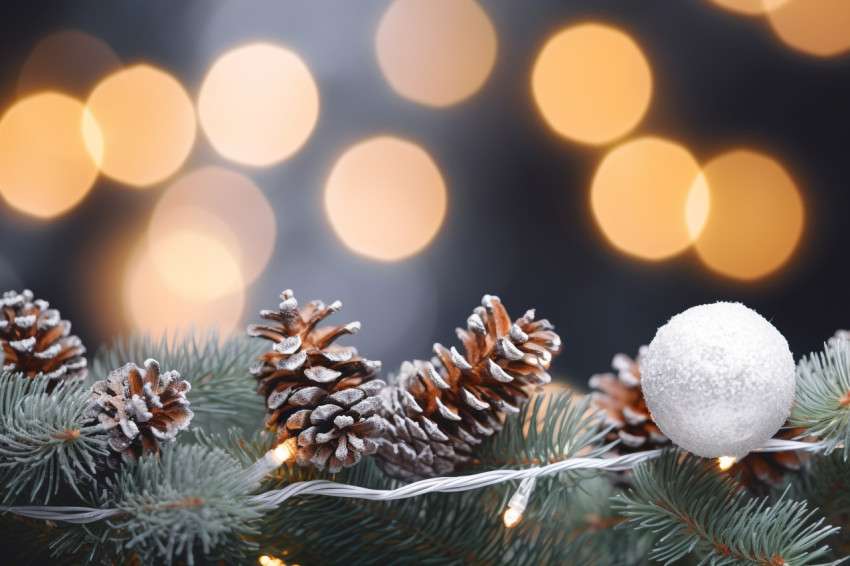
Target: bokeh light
816 27
69 61
148 124
649 198
436 52
385 198
258 104
45 165
195 264
592 83
751 7
226 206
756 216
151 305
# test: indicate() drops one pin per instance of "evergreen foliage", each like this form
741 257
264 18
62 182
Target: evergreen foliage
195 502
694 506
45 439
823 395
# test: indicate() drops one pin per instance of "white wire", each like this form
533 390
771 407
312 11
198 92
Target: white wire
431 485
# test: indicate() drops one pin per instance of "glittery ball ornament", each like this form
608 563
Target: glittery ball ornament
719 380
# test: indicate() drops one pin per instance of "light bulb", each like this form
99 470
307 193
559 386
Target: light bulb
286 451
512 516
725 462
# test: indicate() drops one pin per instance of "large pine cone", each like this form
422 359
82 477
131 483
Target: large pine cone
441 409
323 394
140 408
621 397
35 340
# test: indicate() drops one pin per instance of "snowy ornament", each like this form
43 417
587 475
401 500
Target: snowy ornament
719 380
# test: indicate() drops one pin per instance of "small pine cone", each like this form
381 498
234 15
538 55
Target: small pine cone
35 340
140 408
323 394
441 409
760 472
621 397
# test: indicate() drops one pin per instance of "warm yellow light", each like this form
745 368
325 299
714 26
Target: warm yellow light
45 167
258 104
592 83
725 462
436 52
645 198
756 217
194 264
223 205
512 517
287 450
69 61
385 198
152 306
751 7
816 27
267 560
148 124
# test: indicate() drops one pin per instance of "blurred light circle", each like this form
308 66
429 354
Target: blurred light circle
226 206
816 27
45 164
436 52
258 104
151 305
592 83
649 198
751 7
148 124
69 61
385 198
195 264
756 217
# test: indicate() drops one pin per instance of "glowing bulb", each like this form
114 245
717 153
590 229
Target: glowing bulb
725 462
286 451
512 517
265 560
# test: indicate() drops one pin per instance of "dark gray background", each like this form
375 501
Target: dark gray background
518 223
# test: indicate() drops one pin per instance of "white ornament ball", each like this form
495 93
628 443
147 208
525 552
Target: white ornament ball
719 380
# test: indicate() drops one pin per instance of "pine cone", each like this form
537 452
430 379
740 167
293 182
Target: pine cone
36 341
621 397
140 408
441 409
320 393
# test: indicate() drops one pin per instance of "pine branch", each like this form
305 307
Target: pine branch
45 438
224 394
822 402
551 428
694 507
189 505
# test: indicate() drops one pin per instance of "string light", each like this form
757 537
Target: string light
267 560
451 484
725 462
518 503
285 451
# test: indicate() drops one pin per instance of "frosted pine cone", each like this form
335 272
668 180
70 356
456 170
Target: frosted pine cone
140 408
760 472
35 340
323 394
441 409
621 397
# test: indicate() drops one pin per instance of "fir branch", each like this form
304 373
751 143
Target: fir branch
224 394
550 428
822 402
694 507
45 438
188 504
